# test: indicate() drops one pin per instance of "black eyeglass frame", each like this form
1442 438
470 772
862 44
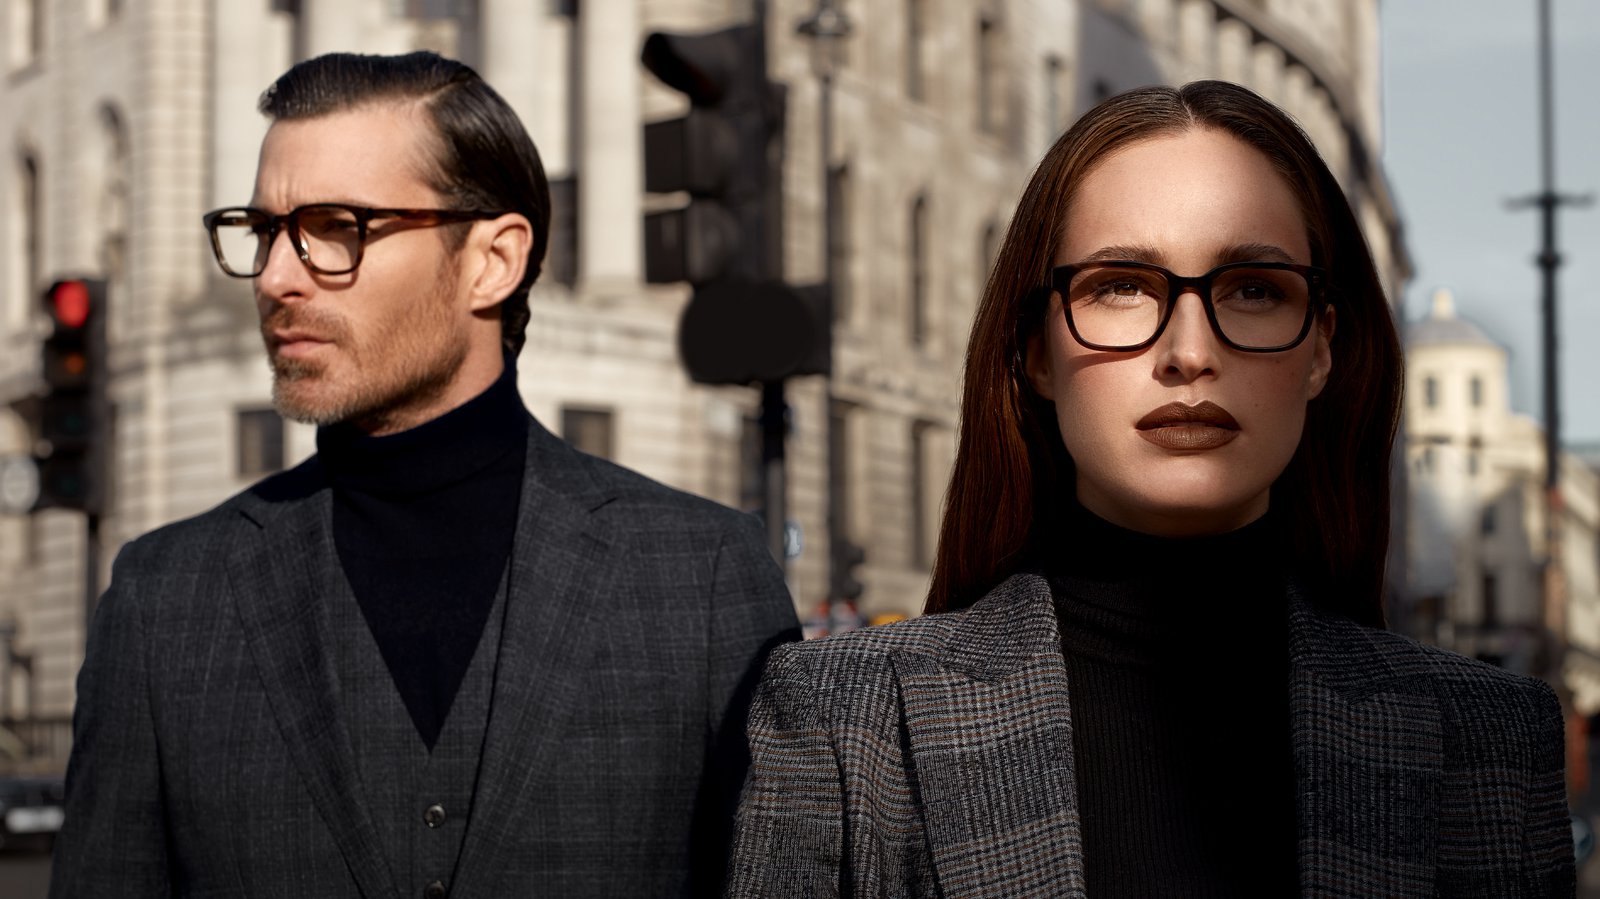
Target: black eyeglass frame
290 221
1316 281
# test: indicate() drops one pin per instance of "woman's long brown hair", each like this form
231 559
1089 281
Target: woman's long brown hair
1012 471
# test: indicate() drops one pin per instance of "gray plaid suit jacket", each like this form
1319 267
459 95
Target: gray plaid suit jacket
934 758
212 758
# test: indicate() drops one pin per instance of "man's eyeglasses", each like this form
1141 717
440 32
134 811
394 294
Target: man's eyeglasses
329 237
1255 307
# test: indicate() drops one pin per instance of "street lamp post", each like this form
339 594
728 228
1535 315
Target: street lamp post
827 28
1548 201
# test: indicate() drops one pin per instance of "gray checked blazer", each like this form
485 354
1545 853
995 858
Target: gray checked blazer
934 758
212 756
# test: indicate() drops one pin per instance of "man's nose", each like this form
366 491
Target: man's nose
283 275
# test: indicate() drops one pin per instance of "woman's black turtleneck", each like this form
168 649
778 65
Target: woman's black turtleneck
423 521
1177 669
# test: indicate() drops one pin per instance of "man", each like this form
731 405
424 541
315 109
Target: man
449 655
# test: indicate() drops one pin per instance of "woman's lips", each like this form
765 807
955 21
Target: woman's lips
1176 426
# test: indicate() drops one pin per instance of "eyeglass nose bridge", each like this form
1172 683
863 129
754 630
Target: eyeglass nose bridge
1200 285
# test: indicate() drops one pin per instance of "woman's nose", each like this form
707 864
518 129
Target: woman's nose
1188 347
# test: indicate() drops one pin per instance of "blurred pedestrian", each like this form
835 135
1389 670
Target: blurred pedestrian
448 654
1155 663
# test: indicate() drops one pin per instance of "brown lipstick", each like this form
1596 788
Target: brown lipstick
1176 426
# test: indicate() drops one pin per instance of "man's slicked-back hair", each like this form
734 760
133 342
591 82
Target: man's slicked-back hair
484 158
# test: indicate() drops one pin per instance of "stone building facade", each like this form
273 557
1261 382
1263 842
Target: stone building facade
122 121
1477 535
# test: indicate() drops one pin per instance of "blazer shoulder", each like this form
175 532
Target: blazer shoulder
844 663
635 501
1471 688
190 544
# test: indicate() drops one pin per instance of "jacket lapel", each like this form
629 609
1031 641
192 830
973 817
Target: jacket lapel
990 734
562 561
1368 758
279 581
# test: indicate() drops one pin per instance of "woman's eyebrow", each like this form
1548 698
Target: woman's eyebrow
1129 252
1253 252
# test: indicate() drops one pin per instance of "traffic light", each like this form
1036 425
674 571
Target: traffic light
845 556
743 325
724 154
71 414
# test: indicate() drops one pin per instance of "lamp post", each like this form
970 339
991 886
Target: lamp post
827 28
1548 201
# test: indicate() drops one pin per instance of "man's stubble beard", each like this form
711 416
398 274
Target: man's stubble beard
403 365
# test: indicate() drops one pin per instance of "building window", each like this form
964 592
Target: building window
988 249
922 531
1491 600
1052 96
1486 523
1472 462
114 191
841 485
917 256
915 9
260 442
32 238
588 429
839 240
561 257
988 77
1476 386
1430 392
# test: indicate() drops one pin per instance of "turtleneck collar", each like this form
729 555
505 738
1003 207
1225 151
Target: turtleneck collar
1133 587
1091 548
433 455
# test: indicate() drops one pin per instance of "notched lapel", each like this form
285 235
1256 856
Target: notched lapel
991 745
1369 759
279 582
562 564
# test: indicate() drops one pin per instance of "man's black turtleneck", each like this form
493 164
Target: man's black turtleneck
1177 669
423 521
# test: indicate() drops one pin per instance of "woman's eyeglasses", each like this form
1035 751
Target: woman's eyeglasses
1255 307
329 237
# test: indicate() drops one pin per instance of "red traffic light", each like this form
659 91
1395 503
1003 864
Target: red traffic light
69 304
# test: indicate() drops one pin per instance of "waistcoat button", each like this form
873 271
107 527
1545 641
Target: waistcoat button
434 817
434 890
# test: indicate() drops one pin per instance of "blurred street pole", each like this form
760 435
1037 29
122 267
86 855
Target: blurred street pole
827 27
1548 202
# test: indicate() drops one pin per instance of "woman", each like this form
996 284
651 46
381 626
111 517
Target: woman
1154 663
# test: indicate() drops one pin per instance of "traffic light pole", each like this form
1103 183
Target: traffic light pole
774 430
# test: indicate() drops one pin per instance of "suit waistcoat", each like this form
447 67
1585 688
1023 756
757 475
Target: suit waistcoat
419 801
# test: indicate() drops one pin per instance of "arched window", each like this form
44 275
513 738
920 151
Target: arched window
24 253
111 212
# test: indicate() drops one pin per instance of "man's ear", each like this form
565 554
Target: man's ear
497 252
1322 358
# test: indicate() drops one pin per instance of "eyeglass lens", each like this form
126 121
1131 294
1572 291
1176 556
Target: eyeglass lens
330 236
1255 307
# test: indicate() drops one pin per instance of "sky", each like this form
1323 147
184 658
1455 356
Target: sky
1461 120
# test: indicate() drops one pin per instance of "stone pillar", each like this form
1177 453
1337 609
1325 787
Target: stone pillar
353 26
252 47
610 165
511 33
